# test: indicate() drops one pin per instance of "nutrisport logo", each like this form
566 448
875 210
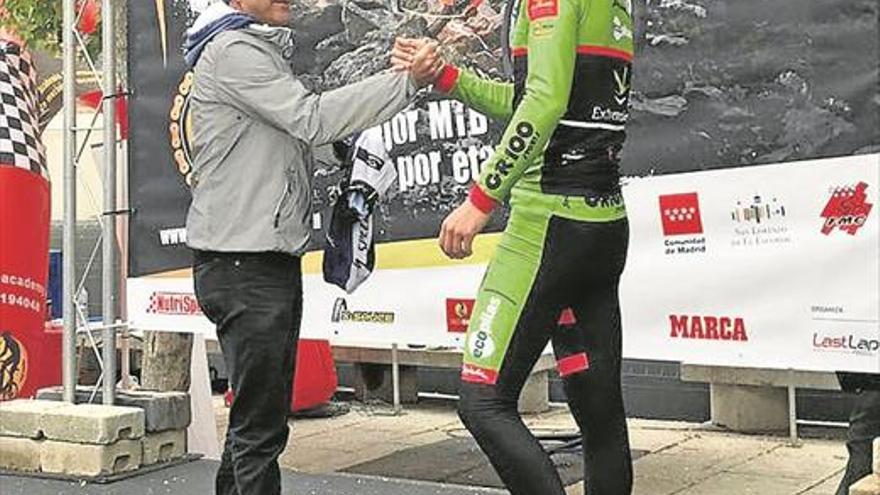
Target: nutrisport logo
847 209
174 304
682 224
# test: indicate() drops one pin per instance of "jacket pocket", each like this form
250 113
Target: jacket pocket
288 190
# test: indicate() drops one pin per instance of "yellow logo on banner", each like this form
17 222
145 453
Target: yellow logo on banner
13 366
180 128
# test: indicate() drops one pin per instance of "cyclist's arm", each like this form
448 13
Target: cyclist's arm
493 98
552 51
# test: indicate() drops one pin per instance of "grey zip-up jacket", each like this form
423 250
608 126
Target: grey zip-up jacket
254 127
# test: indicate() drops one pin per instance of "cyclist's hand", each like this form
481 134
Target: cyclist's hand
404 51
427 64
459 229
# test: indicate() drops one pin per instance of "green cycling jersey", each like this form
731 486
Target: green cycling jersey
566 108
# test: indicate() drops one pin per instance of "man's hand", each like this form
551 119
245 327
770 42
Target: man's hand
420 57
459 229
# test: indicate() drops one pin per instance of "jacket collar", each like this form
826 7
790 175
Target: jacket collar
282 37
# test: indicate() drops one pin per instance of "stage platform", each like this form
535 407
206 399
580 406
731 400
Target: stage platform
197 478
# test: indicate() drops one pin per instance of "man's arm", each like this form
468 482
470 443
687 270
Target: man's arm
552 46
247 75
493 98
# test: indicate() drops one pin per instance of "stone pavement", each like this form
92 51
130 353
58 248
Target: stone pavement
682 459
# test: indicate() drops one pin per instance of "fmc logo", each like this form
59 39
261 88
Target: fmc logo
708 328
847 209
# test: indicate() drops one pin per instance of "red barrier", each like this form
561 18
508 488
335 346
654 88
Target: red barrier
315 379
24 266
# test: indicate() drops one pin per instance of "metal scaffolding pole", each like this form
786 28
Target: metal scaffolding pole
110 281
68 354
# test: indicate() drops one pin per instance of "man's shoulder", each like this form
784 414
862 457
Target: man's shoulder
239 42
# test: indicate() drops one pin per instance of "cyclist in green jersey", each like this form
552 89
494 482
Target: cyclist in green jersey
555 274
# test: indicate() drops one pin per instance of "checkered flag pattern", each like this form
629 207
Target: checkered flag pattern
20 143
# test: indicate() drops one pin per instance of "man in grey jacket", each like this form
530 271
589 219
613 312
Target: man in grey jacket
254 128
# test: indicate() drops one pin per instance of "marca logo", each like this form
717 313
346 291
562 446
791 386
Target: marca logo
707 328
477 374
845 343
174 303
341 314
458 314
847 209
680 214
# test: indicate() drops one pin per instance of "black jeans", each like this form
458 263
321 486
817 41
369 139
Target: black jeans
864 425
255 299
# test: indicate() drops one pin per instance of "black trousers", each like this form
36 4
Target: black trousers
255 299
864 425
579 268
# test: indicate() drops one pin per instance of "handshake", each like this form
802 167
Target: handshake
420 57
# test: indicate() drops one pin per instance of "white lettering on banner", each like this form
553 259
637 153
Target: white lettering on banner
19 301
467 166
22 282
421 169
172 237
446 120
401 129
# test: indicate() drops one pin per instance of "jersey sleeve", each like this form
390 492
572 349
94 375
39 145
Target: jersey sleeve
487 96
552 51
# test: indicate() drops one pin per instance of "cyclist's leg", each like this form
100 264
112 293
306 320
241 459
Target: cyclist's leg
515 311
589 358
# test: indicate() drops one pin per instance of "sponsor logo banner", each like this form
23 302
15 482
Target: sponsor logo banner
174 303
682 223
458 314
341 314
760 221
847 209
708 328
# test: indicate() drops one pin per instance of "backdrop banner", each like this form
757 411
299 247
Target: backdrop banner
750 175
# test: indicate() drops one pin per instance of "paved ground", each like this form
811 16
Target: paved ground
197 478
683 458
